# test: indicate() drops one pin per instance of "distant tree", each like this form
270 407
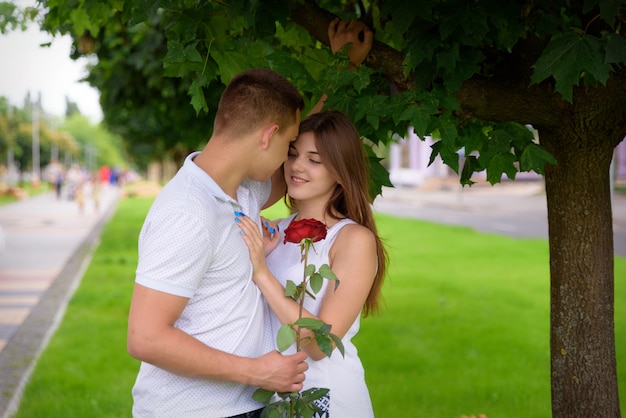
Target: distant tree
71 107
109 148
7 131
470 73
12 16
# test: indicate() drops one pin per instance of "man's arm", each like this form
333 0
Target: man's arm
152 338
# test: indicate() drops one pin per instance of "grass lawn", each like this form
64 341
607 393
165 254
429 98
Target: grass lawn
465 328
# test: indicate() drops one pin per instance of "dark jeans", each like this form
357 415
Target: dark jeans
253 414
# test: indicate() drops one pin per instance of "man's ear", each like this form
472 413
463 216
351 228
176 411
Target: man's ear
267 134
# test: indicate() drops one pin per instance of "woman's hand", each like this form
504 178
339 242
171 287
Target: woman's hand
341 32
271 235
256 242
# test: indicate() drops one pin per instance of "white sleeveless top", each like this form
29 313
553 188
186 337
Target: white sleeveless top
344 377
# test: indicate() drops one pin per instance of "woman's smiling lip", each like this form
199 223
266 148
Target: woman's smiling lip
298 180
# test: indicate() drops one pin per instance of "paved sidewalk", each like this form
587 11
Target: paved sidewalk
45 244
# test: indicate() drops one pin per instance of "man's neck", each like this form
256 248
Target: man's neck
224 164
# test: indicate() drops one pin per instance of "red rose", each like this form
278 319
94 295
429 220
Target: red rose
305 228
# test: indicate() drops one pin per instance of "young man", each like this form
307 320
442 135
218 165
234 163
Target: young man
197 321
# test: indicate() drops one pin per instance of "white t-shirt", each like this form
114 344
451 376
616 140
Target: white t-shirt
190 246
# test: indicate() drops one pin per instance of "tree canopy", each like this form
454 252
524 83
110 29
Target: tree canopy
428 70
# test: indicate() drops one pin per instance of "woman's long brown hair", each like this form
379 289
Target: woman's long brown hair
341 151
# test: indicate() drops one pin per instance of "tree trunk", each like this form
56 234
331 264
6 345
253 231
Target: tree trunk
582 337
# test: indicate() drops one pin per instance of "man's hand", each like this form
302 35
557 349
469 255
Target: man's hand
341 32
281 373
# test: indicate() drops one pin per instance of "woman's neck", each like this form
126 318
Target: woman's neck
308 210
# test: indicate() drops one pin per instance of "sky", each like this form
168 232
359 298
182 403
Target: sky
27 67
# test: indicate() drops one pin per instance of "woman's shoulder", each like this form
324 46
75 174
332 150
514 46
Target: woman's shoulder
352 231
354 242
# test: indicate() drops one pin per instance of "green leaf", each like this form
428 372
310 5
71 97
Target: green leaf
609 10
379 177
80 21
314 394
447 58
372 109
566 57
419 116
304 410
309 270
420 49
197 97
316 282
436 148
324 343
290 288
230 63
285 337
403 12
263 395
615 50
448 155
474 138
338 344
313 324
470 166
535 157
513 134
180 60
501 163
324 329
326 272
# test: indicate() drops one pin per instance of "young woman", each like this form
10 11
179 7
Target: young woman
327 180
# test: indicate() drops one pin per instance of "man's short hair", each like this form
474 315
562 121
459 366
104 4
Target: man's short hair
255 97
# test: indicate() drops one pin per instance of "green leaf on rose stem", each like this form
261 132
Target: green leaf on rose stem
299 290
313 324
262 395
305 410
338 344
327 272
284 395
314 394
309 270
285 338
272 411
290 289
316 282
275 413
324 343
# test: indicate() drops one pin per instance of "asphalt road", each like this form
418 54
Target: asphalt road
516 209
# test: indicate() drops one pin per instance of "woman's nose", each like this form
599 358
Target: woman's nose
297 164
